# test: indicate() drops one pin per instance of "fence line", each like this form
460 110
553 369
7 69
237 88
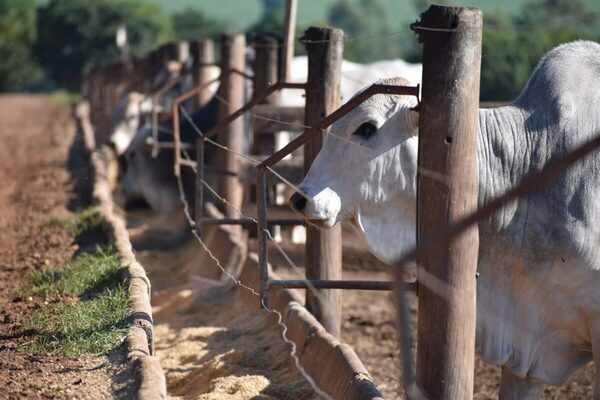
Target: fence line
293 352
294 267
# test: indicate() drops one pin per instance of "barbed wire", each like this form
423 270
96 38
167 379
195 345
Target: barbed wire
246 157
295 269
293 352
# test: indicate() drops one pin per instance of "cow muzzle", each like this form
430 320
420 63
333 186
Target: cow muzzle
321 210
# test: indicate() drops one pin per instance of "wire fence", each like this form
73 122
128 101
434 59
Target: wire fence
553 169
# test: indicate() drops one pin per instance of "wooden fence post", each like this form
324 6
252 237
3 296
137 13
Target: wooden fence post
231 92
289 33
203 57
265 75
451 39
182 51
323 247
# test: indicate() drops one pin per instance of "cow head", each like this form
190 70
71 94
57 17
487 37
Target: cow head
151 180
366 173
128 118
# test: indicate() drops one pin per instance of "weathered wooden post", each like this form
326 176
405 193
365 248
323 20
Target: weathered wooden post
204 57
323 247
451 39
182 51
289 32
265 75
231 92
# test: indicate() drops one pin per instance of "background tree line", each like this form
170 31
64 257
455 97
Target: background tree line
50 45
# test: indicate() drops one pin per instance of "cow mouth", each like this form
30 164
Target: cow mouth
317 222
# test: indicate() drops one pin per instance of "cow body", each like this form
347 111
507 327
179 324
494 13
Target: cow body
538 291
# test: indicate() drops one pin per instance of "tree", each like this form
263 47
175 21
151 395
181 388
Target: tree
271 20
192 24
512 48
362 24
17 35
75 35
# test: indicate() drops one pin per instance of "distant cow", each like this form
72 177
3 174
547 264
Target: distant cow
152 179
354 76
538 292
134 110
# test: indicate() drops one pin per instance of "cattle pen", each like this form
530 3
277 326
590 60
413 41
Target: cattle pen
241 168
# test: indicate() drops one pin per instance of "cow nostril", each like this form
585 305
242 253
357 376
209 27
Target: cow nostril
298 202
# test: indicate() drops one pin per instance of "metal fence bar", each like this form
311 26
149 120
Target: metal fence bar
155 97
339 284
262 232
259 98
250 222
177 145
339 113
199 203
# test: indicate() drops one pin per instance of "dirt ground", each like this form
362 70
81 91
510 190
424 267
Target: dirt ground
38 154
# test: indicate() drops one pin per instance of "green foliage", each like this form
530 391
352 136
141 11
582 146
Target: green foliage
88 219
17 35
362 23
512 48
271 21
63 97
77 34
192 24
84 310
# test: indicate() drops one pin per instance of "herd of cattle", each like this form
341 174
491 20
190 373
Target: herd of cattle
538 288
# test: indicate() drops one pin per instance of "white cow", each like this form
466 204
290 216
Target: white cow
538 292
133 111
129 116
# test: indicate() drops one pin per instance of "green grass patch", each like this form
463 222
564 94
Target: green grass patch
94 326
88 219
62 97
85 309
83 276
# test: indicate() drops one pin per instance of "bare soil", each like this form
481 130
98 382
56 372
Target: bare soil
43 174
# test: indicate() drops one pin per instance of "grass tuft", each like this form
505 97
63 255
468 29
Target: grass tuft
91 316
76 224
63 97
81 277
94 326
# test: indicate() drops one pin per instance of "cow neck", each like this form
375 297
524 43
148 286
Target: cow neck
503 150
388 229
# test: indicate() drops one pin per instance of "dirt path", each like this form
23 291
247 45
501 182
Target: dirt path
36 153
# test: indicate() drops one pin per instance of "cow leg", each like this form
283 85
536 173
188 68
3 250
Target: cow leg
514 388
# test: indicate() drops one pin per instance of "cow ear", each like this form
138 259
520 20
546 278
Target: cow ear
413 119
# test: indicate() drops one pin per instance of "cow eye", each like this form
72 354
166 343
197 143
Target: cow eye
365 131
